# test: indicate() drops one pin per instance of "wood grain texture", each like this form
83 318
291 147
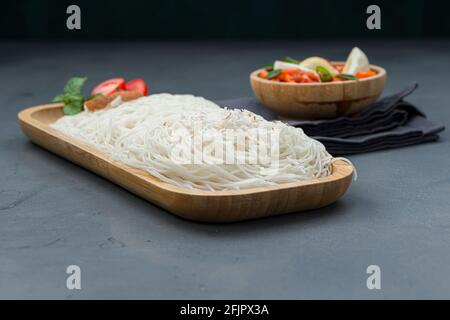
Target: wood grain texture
318 100
199 205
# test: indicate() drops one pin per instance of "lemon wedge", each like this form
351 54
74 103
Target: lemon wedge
287 65
314 62
356 61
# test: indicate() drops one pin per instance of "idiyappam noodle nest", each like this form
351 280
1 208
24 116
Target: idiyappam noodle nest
146 132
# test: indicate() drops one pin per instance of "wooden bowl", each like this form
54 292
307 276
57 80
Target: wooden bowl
318 100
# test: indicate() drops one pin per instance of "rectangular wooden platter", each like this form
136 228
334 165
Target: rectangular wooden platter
193 204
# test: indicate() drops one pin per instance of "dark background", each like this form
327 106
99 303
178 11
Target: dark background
208 19
53 214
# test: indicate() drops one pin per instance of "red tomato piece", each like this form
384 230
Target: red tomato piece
339 67
110 86
285 75
306 79
296 75
313 77
263 74
365 74
138 85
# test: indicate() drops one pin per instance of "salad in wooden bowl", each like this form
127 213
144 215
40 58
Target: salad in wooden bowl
316 88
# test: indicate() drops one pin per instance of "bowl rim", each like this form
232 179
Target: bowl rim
381 73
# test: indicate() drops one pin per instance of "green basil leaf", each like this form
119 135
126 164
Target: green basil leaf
73 98
346 76
269 67
273 73
324 74
73 108
59 98
74 85
291 60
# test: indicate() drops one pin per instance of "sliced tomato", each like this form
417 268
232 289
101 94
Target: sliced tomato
365 74
138 85
314 77
285 76
306 79
263 74
339 67
110 86
297 75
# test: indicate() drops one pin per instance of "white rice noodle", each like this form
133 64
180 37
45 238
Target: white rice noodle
144 132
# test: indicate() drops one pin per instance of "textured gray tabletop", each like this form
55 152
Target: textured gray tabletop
54 214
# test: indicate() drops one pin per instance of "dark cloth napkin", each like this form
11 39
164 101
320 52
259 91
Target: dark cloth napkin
390 122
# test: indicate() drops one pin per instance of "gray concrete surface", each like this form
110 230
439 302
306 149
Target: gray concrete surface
54 214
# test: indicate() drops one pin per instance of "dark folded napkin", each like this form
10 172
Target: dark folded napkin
390 122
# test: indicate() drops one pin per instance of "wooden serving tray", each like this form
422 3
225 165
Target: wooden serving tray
199 205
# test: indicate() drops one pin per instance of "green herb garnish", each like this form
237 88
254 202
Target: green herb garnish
269 67
346 76
71 97
291 60
273 73
324 74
